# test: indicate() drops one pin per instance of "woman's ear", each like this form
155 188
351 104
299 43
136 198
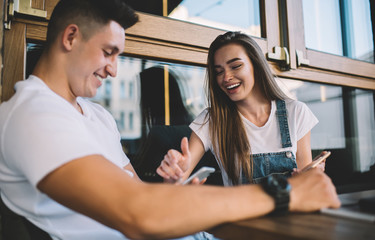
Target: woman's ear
69 36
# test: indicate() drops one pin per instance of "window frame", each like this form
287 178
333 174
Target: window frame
165 39
338 69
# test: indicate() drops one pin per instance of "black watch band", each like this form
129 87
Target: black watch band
278 187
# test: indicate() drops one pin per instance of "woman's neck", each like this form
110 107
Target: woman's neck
256 110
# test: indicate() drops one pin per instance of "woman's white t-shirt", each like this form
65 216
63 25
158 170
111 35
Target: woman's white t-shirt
267 138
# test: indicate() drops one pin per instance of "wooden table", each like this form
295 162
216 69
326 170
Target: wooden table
297 226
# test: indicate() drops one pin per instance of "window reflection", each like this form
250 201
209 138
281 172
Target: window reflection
145 82
122 89
346 128
364 128
327 105
235 15
323 25
358 35
341 27
239 15
163 100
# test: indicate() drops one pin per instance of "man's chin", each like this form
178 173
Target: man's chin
90 94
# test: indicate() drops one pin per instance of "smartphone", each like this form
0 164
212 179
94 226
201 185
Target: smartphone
201 174
316 162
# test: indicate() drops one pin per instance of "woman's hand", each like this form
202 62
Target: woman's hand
320 166
174 165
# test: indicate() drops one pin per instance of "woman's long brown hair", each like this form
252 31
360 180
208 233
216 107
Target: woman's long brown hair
227 131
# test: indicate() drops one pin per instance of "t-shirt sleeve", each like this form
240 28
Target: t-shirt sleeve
305 119
46 141
200 126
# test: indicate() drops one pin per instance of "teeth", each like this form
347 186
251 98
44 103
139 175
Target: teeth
233 86
99 77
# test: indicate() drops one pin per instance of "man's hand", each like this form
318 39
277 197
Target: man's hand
175 164
311 191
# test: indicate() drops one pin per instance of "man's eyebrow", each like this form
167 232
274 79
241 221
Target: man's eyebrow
228 62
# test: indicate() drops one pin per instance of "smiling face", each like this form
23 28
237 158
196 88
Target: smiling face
94 59
234 72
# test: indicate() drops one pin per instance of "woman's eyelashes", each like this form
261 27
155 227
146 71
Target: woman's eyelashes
234 67
237 66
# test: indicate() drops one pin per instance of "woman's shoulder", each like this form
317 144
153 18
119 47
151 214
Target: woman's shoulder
202 116
298 110
294 104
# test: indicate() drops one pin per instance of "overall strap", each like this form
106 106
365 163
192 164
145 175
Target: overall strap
283 123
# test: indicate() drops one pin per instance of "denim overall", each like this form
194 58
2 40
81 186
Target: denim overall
265 164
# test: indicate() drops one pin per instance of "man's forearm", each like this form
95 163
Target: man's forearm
169 211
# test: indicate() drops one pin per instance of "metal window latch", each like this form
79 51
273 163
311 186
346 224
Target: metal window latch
281 55
23 7
300 59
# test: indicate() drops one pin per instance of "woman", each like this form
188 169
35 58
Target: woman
251 126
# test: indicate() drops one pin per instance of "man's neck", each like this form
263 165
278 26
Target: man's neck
50 69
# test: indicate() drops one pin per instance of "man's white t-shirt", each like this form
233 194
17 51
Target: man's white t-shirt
40 131
267 138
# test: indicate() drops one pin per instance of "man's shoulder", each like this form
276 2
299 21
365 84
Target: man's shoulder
29 91
32 107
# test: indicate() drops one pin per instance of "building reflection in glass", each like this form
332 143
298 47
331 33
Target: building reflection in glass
125 97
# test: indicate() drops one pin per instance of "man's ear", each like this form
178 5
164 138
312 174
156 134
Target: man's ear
70 35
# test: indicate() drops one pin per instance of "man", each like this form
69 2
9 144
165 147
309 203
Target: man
62 165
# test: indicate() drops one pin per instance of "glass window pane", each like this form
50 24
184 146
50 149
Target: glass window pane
146 79
365 127
165 99
346 128
239 15
359 36
234 15
326 103
323 26
341 27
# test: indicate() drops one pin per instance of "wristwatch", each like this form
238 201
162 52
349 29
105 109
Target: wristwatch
278 187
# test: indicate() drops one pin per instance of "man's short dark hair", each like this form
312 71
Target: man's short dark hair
88 15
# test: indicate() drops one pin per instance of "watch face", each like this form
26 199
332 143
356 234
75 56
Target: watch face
282 182
277 186
278 182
